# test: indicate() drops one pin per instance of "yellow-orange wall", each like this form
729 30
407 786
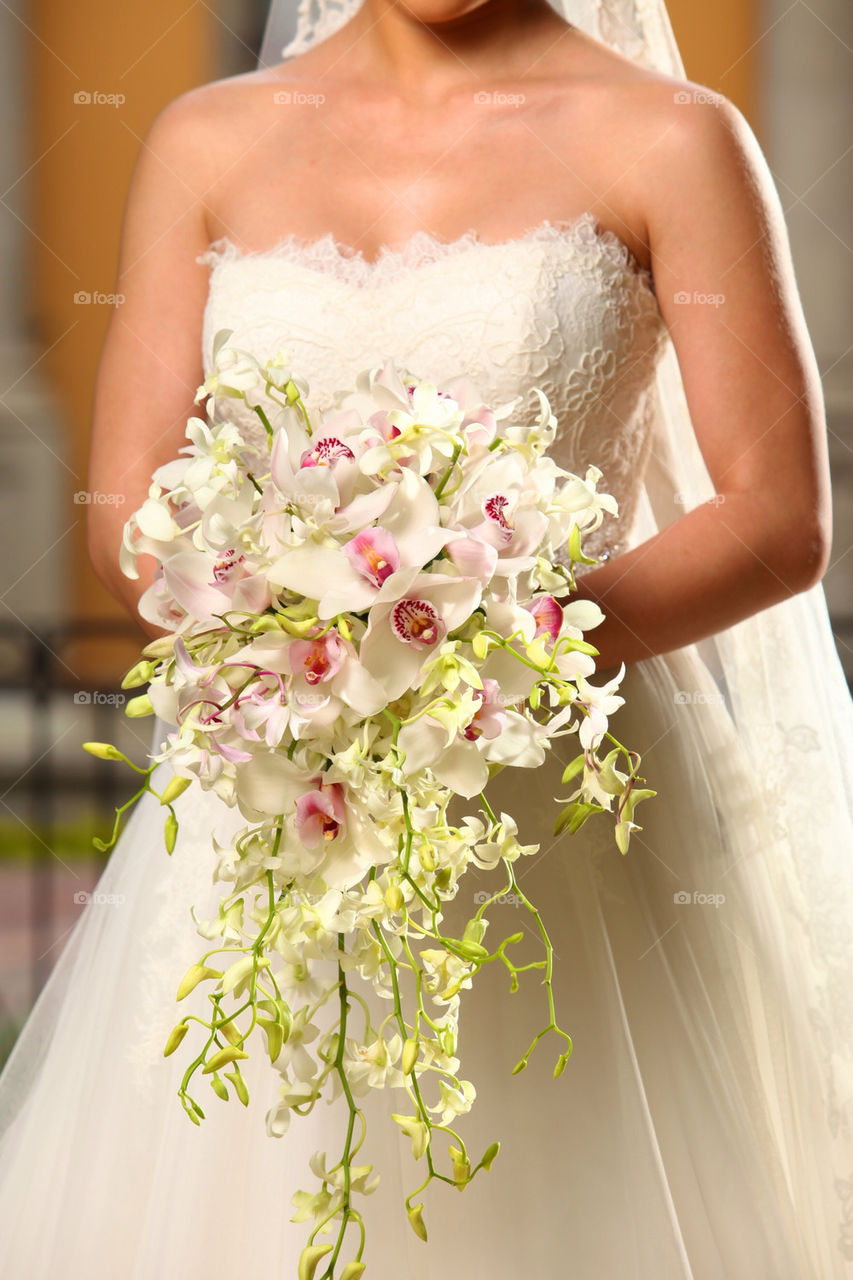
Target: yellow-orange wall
83 156
720 46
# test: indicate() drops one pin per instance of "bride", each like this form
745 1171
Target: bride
531 194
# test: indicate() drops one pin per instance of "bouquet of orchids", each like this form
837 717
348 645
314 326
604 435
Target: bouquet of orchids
364 626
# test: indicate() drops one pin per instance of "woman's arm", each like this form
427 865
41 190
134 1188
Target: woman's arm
716 227
150 366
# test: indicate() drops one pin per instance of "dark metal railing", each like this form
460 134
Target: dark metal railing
47 784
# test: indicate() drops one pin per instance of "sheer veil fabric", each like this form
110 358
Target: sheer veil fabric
777 672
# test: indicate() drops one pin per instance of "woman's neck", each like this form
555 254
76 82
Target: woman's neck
431 47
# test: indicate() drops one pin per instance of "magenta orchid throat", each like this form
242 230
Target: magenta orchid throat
368 617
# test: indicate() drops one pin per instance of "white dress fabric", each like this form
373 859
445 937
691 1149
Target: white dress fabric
702 1128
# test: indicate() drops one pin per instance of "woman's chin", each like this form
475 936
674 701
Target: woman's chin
438 11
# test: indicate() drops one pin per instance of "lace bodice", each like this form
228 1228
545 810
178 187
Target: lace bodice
565 307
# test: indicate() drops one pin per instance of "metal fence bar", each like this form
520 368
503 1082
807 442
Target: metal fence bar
32 664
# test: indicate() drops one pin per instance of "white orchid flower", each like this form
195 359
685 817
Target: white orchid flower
374 1066
402 633
372 564
601 702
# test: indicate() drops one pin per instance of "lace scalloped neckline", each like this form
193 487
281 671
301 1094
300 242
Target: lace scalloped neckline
328 255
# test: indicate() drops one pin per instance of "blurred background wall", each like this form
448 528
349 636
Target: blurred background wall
79 86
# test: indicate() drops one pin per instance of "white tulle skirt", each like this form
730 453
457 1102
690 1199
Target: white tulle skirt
701 1128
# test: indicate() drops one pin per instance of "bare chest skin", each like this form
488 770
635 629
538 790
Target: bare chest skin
309 154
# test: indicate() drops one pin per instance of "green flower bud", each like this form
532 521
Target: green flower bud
410 1055
176 1035
162 647
353 1271
275 1037
266 622
309 1259
229 1054
481 645
239 1086
416 1219
220 1089
170 833
140 674
561 1063
491 1153
103 750
174 788
231 1032
299 628
139 707
574 547
193 976
394 897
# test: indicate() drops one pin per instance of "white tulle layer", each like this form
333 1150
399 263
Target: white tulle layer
690 1136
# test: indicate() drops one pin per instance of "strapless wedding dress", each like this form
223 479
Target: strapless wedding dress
699 1130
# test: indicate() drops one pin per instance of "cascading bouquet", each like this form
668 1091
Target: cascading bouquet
363 627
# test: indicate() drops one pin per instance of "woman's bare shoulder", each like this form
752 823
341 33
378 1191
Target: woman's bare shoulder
590 65
211 106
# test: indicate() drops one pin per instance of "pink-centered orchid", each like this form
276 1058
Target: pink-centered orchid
402 634
317 659
374 554
326 678
490 717
548 613
321 814
352 575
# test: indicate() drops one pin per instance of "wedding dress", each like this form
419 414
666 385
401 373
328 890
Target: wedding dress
702 1126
